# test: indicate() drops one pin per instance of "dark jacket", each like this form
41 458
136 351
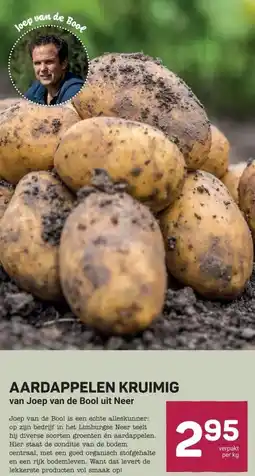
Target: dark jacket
70 86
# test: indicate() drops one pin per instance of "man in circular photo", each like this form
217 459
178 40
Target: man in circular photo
54 82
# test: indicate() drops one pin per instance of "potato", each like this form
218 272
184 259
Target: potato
6 192
209 244
150 164
29 135
232 177
8 102
112 263
246 191
218 158
137 87
69 105
30 231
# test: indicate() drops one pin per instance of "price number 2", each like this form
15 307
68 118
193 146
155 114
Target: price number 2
213 432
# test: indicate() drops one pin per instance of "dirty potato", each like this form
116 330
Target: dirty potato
246 192
209 244
218 158
6 192
30 231
137 87
29 135
8 102
232 177
132 152
112 263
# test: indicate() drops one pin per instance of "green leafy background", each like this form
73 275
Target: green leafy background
210 43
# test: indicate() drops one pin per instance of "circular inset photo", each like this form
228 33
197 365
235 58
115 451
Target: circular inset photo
48 65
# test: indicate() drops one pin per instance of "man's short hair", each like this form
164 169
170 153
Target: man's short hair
60 44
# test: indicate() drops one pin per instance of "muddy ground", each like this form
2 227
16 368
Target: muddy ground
187 321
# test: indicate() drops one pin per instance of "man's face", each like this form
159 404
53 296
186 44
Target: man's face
47 67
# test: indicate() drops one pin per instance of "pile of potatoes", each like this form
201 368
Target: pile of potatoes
104 199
